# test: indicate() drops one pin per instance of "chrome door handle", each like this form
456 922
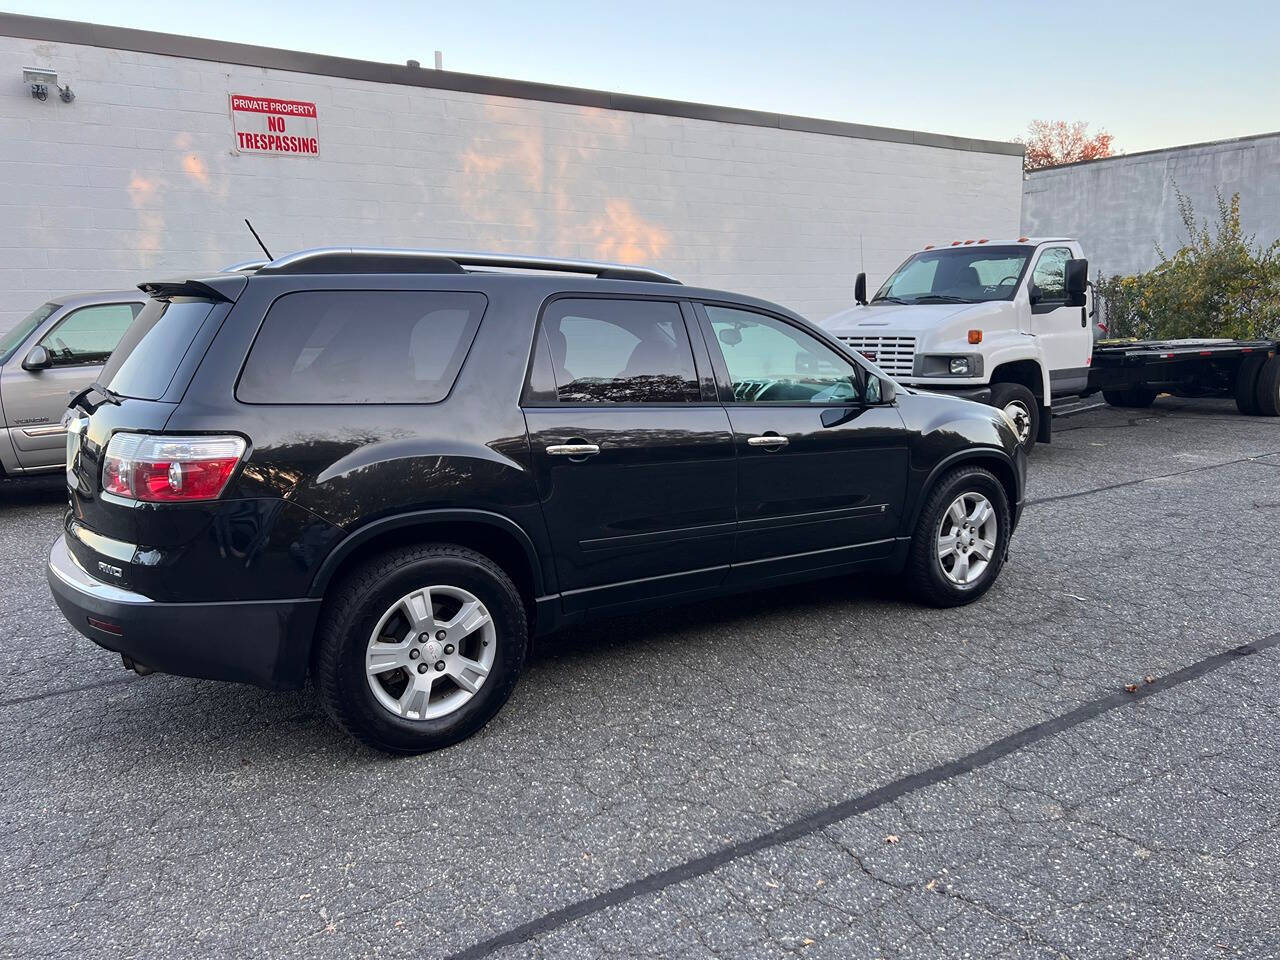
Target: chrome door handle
573 449
769 440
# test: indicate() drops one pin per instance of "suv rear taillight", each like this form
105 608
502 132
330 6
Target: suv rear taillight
169 469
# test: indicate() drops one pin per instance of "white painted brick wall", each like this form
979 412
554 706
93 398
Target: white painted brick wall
138 179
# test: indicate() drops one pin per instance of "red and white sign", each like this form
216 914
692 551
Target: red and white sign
277 127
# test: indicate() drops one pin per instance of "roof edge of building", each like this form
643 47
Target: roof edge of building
1149 153
223 51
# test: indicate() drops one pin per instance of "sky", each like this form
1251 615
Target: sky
1152 74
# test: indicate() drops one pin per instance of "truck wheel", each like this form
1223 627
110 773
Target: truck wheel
1269 388
960 539
418 648
1020 407
1247 385
1133 397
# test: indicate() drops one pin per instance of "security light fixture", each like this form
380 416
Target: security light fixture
40 80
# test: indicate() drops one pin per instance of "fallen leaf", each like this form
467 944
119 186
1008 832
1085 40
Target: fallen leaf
808 942
931 885
1131 688
1149 678
891 838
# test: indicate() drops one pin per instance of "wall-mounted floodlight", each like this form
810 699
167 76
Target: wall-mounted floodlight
41 80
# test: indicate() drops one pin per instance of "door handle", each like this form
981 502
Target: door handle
768 440
573 449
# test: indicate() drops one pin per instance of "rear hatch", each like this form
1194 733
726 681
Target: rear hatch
137 391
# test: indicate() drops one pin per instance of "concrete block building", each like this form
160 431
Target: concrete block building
1121 207
170 142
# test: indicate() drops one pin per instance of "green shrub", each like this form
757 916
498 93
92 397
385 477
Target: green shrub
1219 284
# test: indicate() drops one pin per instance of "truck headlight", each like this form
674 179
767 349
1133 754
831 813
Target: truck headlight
948 365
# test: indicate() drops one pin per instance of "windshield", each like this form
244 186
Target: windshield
16 337
956 275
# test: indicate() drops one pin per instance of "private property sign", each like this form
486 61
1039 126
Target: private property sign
277 127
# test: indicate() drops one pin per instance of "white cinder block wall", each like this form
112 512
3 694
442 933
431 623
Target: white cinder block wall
138 178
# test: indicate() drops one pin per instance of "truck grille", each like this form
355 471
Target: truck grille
894 355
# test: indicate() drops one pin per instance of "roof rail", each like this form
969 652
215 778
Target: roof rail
244 266
393 260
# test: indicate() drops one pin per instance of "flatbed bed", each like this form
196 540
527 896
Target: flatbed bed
1131 373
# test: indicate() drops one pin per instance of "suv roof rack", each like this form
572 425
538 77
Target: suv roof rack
393 260
244 266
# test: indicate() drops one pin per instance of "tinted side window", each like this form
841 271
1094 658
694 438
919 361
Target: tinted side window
88 335
772 361
361 346
1051 273
148 355
619 351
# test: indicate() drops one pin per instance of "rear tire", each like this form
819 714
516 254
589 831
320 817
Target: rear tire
1268 395
1019 405
1132 397
420 607
1247 385
934 563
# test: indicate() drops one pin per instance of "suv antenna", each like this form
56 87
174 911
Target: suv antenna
258 238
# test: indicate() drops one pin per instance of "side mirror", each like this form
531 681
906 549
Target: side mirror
860 290
37 359
879 391
1077 280
1034 294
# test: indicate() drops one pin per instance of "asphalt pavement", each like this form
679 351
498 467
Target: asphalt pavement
1082 764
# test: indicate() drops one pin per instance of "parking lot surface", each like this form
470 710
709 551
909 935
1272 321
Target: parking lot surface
822 771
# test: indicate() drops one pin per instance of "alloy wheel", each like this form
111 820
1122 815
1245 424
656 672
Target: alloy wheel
967 537
430 653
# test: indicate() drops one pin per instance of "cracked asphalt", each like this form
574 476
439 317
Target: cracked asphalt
822 772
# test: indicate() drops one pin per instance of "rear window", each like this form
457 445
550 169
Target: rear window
361 346
148 355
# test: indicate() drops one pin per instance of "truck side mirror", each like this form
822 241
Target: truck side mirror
860 290
1077 280
37 358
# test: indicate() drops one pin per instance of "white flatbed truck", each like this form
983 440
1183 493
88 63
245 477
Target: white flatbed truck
1009 323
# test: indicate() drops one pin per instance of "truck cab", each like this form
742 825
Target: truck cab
1004 323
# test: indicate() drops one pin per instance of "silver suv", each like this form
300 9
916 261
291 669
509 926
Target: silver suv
51 355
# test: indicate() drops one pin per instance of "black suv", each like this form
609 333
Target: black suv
389 470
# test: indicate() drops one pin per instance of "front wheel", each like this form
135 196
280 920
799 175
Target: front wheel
1020 409
961 538
420 647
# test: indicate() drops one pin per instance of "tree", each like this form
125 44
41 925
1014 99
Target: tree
1051 142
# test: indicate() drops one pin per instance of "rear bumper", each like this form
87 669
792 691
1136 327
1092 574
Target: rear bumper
263 642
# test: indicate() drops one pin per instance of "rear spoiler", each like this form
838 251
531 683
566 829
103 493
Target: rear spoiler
223 288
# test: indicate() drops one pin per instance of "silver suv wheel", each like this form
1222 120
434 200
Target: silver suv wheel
430 652
967 537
